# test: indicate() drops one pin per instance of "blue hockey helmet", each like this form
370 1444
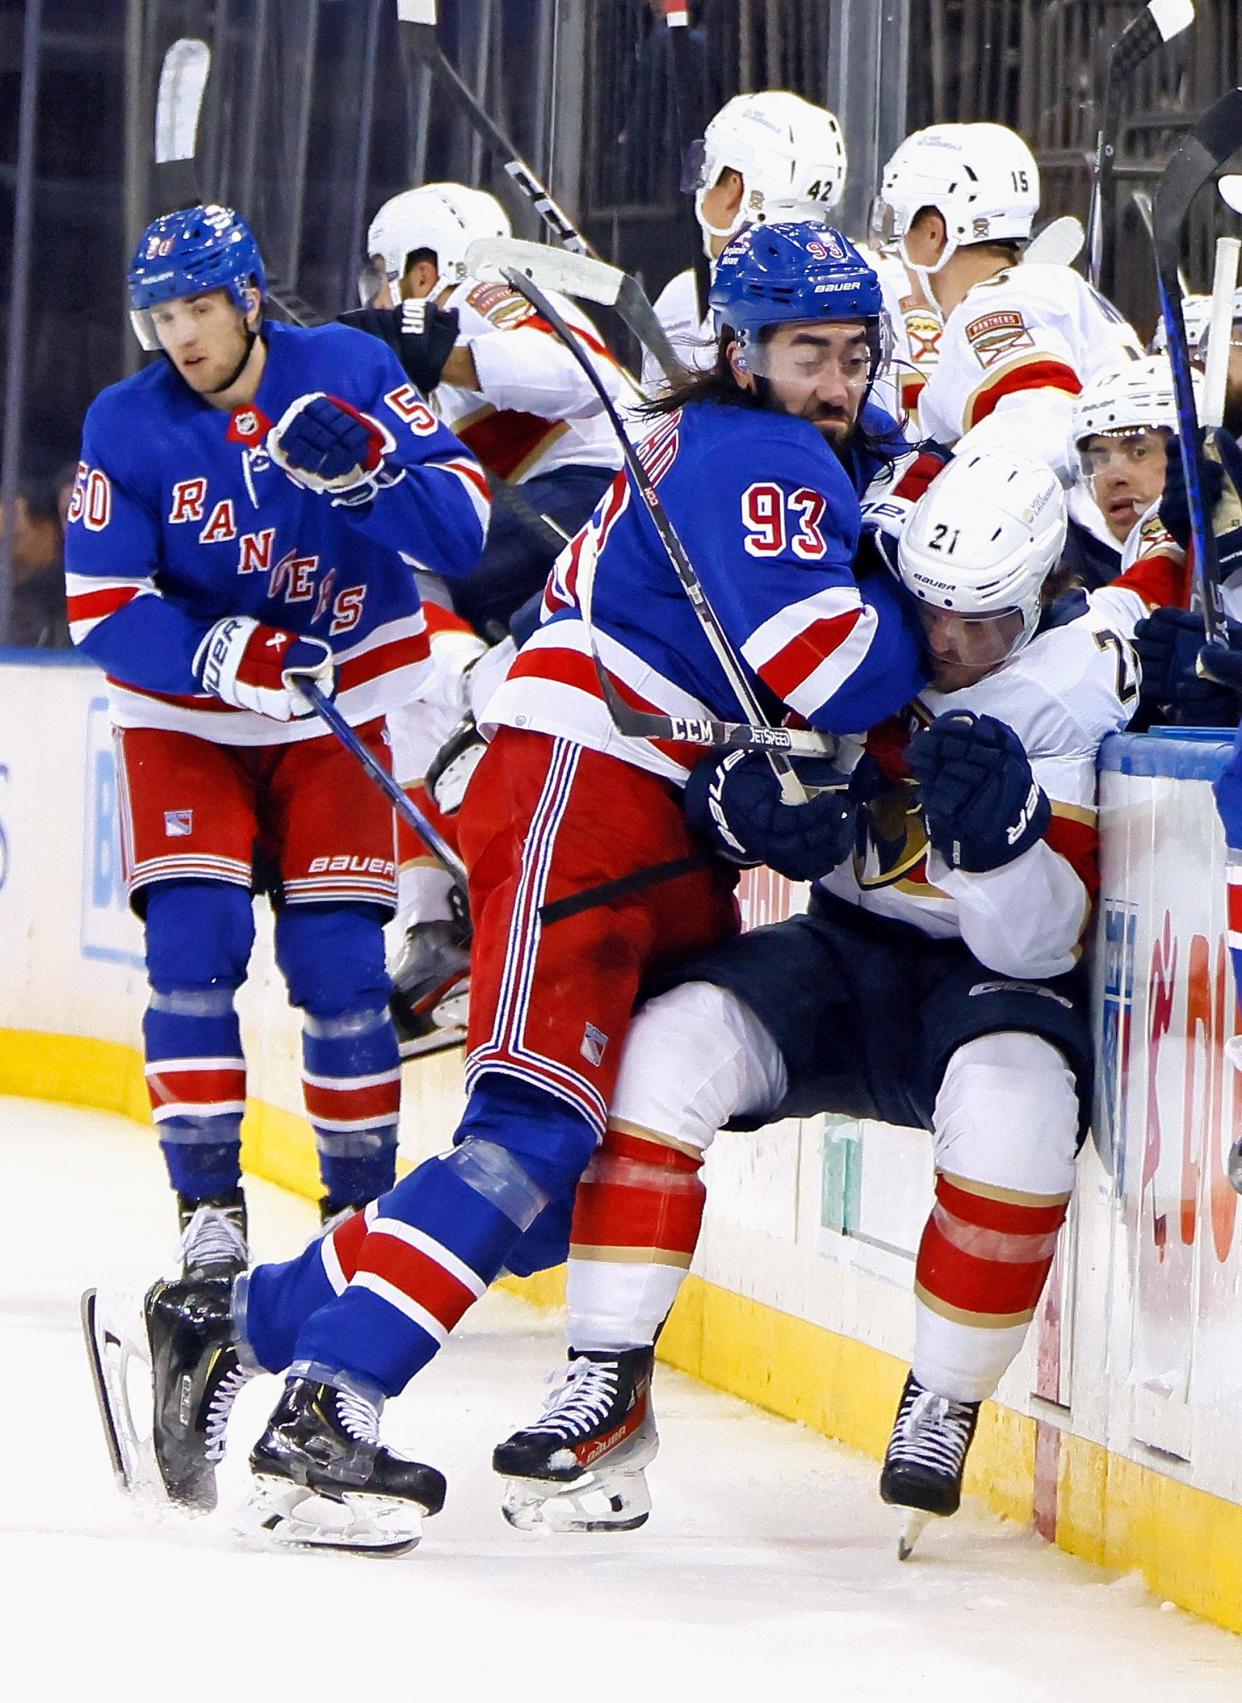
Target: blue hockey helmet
186 253
772 274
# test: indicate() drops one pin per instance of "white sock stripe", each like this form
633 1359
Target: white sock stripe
346 1126
398 1299
345 1084
197 1109
157 1067
332 1264
434 1250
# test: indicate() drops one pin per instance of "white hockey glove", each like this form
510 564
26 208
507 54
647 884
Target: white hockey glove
331 447
254 667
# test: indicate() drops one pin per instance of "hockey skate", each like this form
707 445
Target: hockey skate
213 1235
178 1353
580 1466
926 1458
431 987
323 1480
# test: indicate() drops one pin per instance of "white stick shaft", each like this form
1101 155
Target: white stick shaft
1220 330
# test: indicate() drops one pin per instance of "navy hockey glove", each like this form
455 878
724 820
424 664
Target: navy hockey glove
1175 503
329 446
734 804
420 334
1221 666
1168 642
982 804
254 667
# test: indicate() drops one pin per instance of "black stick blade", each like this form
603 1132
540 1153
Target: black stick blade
1212 142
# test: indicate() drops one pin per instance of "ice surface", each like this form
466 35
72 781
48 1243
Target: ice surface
767 1571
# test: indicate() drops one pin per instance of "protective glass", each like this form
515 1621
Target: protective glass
1135 450
805 353
694 167
972 641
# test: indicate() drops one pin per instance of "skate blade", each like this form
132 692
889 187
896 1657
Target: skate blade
612 1502
291 1516
912 1528
437 1040
116 1350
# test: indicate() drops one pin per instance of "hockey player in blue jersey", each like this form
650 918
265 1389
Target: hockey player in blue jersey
585 881
247 514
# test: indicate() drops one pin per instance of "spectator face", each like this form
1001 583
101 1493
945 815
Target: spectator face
815 371
205 337
36 540
1125 474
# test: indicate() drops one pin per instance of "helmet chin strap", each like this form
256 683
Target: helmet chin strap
709 230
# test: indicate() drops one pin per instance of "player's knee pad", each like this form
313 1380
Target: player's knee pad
1007 1114
332 958
694 1058
199 935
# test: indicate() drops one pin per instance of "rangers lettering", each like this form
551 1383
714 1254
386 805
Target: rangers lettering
188 499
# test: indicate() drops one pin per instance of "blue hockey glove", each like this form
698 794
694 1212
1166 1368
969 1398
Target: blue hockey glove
734 804
329 446
1168 642
982 804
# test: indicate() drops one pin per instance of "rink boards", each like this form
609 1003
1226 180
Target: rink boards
1117 1431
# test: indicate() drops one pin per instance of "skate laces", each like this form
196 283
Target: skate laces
932 1430
358 1416
219 1408
580 1397
213 1236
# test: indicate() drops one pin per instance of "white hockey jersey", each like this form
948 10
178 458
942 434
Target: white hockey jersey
1062 694
917 328
1014 353
534 410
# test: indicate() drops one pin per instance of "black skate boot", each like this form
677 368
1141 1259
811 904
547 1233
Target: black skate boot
431 984
213 1235
334 1212
185 1340
323 1479
580 1466
926 1458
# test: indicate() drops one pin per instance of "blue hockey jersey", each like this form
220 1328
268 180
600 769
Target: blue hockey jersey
180 517
769 516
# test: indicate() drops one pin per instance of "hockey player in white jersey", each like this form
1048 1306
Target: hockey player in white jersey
936 981
1019 342
763 157
505 383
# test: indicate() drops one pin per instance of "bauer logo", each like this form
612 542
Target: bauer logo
109 930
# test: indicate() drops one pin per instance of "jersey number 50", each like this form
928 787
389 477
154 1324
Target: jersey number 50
776 522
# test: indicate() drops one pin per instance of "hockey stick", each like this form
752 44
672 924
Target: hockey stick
585 276
1220 327
327 711
1213 141
178 107
1140 200
1158 22
775 742
419 19
1058 244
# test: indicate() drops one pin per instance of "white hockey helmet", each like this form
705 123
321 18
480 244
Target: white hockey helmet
1132 396
790 154
1196 311
983 540
444 217
981 178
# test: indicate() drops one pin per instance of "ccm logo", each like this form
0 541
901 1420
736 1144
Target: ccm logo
352 866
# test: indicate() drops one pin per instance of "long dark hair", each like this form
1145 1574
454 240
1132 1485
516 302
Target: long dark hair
718 384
